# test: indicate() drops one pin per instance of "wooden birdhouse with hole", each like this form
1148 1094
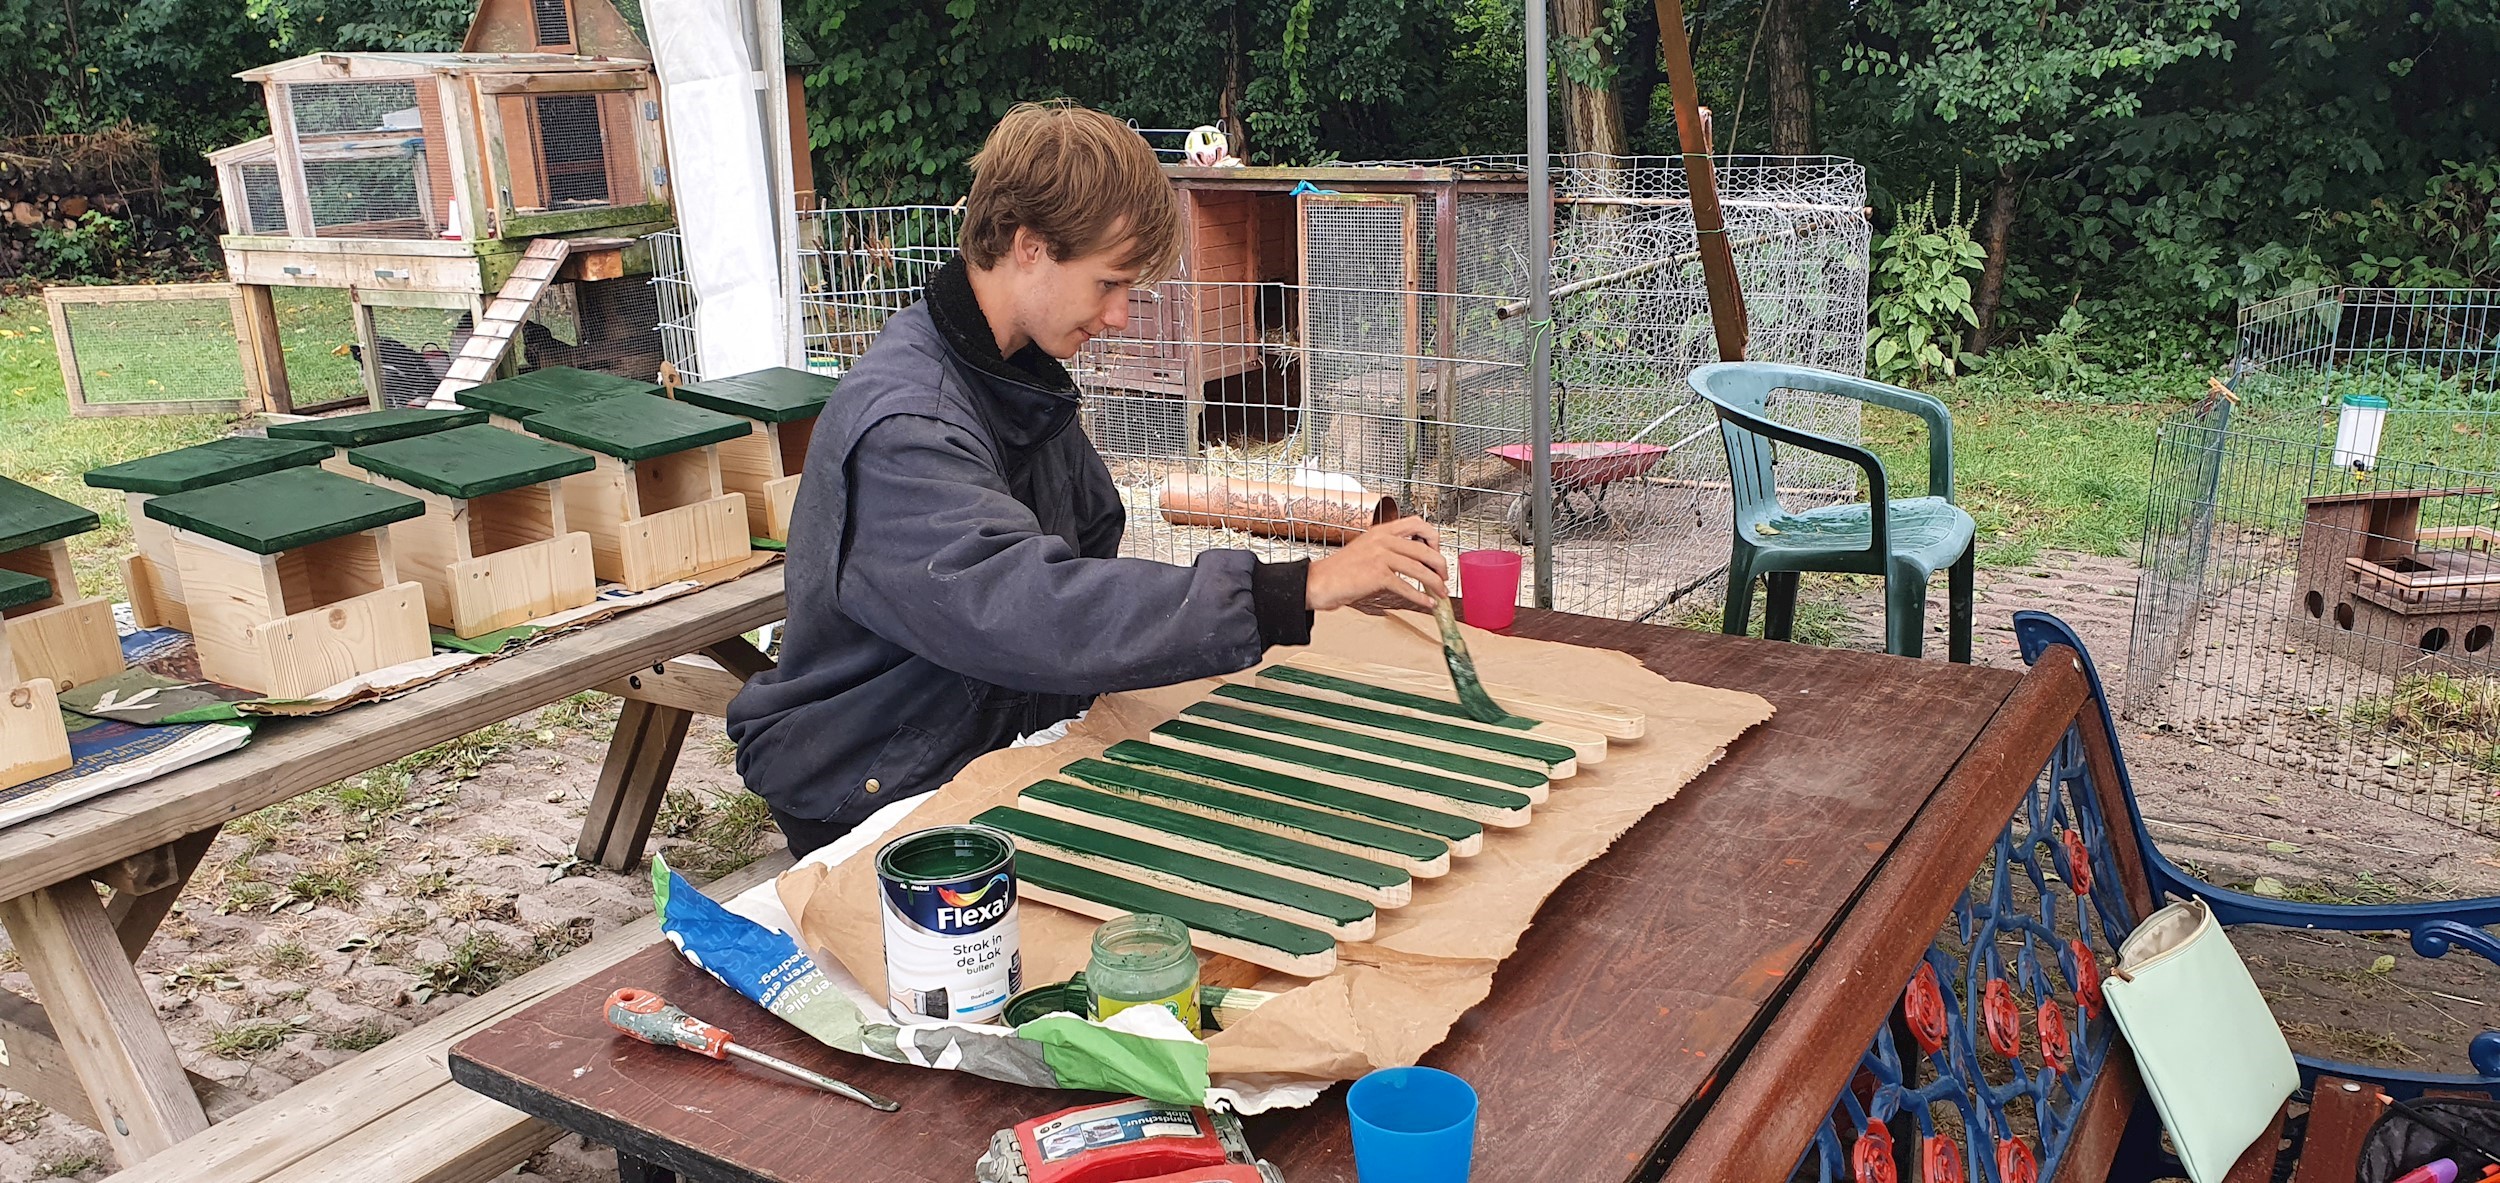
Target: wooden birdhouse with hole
781 405
55 633
492 549
33 740
152 577
653 505
2381 586
291 581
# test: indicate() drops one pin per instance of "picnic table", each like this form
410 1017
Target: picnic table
94 1048
1688 1006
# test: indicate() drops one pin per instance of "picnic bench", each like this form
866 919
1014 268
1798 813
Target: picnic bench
94 1049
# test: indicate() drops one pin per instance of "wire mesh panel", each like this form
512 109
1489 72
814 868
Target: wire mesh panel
363 148
859 266
317 336
608 326
264 200
2326 609
572 151
148 349
412 350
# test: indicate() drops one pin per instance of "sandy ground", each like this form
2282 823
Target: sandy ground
321 928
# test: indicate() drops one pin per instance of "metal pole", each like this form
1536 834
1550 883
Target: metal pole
1540 316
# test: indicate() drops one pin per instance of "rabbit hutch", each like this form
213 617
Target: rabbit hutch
426 189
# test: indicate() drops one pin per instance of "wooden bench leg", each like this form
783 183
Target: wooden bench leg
108 1029
640 759
630 1169
2340 1116
146 886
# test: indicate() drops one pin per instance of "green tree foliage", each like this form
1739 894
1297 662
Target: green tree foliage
1922 291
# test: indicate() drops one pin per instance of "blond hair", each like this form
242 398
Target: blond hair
1080 180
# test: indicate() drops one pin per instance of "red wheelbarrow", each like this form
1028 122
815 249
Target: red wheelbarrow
1581 473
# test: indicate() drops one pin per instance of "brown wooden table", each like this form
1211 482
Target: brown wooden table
95 1050
1636 1000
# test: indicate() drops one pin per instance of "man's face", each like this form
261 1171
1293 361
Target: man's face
1063 303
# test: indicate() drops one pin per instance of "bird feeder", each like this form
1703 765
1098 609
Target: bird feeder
151 576
342 432
55 635
764 465
492 549
653 505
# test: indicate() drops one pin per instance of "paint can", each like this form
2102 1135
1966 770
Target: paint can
950 923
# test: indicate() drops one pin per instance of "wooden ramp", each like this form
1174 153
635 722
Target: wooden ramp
484 350
393 1114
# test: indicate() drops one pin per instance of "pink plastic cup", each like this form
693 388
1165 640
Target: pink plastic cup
1488 587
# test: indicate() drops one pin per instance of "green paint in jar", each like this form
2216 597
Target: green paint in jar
1143 959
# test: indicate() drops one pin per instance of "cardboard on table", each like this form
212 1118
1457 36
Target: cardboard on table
1396 995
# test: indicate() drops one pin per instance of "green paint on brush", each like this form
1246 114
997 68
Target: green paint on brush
1447 826
1471 696
1468 791
1383 694
1308 732
1050 874
1128 778
1284 852
1335 907
1553 754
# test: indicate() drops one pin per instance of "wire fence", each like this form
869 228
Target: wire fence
1241 410
2327 616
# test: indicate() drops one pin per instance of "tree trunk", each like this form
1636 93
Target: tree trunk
1996 232
1228 101
1592 115
1792 97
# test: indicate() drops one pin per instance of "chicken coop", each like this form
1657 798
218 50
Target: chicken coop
410 187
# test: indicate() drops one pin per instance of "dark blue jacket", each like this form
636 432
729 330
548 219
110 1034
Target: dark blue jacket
953 581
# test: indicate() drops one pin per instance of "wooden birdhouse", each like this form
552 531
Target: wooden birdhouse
654 506
291 581
57 635
764 465
33 741
343 432
2385 588
535 393
492 549
151 576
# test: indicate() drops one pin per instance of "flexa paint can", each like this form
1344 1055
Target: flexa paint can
950 923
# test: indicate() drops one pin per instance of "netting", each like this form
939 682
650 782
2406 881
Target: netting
363 148
572 152
412 350
608 326
127 349
1351 353
553 23
2326 617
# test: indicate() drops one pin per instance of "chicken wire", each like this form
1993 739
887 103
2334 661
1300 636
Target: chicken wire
2328 619
412 350
126 350
1366 373
362 149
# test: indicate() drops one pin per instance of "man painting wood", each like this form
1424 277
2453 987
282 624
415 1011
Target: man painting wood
953 572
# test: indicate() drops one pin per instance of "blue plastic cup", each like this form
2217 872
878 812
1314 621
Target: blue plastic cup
1412 1125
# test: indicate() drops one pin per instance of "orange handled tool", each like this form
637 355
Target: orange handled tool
652 1019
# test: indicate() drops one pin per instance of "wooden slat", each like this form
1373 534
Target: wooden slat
290 756
687 683
72 644
642 753
1754 1130
37 1066
484 351
32 742
299 1129
2340 1115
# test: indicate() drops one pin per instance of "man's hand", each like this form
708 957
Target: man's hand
1381 559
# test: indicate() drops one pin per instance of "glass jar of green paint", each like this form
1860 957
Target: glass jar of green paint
1143 959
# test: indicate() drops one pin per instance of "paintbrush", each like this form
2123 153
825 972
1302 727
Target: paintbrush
1471 696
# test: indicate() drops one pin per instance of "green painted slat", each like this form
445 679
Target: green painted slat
202 465
376 427
1200 915
468 462
1404 843
1469 791
1474 736
1319 733
1400 698
1258 844
1337 907
1448 826
285 510
540 391
636 426
777 395
17 588
31 517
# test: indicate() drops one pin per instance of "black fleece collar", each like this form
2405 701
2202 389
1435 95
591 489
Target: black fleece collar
1031 396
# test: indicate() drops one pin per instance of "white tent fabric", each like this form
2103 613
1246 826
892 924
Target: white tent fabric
722 182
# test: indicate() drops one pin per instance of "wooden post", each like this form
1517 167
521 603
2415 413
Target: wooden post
107 1026
1445 341
292 186
264 355
641 757
1692 129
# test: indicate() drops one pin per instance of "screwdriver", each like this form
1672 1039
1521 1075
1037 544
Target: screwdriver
652 1019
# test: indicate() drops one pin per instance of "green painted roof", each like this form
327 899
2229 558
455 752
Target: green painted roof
375 427
17 588
777 395
31 517
202 465
637 427
540 391
285 510
470 462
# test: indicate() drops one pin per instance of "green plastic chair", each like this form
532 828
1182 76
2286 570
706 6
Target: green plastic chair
1905 543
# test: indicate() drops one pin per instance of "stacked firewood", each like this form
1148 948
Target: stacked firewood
51 182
